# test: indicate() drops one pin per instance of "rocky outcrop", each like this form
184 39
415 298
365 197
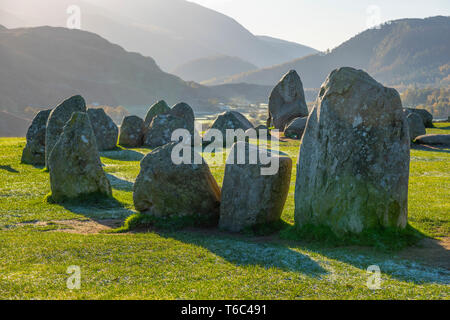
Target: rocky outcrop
353 166
74 162
287 101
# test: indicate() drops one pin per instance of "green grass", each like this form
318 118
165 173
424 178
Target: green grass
169 263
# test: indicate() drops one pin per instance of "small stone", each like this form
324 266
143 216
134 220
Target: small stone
296 128
34 151
131 132
105 130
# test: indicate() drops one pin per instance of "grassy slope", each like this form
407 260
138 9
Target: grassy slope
191 265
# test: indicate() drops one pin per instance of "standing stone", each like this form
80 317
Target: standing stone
158 108
58 119
131 132
105 130
427 117
287 101
165 189
249 198
296 128
353 167
34 151
415 125
74 162
232 120
161 129
183 110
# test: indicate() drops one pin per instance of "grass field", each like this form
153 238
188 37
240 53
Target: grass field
39 241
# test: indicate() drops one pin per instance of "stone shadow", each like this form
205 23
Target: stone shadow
9 169
245 252
119 184
122 155
423 147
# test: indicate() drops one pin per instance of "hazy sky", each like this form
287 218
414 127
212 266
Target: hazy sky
321 24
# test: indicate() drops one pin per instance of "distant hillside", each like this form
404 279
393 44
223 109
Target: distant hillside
217 67
41 66
295 50
12 126
403 52
173 32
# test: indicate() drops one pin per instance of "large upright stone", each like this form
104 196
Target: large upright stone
158 108
166 189
34 151
74 162
250 198
131 132
105 130
58 119
287 101
353 166
416 126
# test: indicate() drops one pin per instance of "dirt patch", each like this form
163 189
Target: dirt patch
432 252
78 226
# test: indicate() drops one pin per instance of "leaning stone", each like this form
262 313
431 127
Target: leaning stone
131 132
249 198
434 139
105 130
287 101
158 108
296 128
74 162
353 166
166 189
58 119
415 125
34 151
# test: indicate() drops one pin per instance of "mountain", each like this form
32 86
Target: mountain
295 50
12 125
212 68
407 51
41 66
173 32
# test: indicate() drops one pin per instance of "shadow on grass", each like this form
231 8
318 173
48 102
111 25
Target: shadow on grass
119 184
423 147
9 169
97 207
122 155
384 248
236 249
